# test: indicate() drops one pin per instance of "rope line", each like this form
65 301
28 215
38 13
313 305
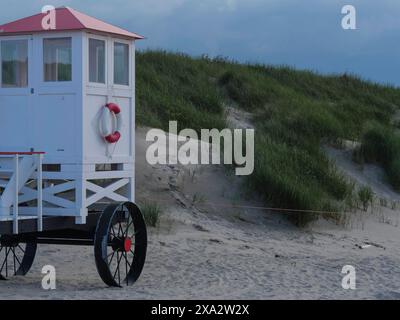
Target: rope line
261 208
232 206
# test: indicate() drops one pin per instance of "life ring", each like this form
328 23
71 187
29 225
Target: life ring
112 135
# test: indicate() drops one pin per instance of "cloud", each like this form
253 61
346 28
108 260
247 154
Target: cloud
302 33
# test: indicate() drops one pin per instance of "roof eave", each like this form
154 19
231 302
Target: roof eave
19 33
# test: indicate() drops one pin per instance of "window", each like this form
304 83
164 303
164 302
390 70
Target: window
57 58
121 63
14 63
97 61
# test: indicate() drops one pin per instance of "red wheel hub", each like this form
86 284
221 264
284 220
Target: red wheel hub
127 244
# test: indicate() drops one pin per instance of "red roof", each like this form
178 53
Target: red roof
67 19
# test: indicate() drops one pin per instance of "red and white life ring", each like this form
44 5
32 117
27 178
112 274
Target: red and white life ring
113 134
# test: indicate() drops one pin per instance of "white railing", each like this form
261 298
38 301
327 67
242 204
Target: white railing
20 178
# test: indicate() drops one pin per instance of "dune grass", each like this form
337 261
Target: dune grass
295 112
151 213
381 144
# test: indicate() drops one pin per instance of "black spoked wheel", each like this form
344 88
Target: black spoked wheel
120 244
15 258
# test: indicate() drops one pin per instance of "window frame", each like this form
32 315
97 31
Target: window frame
87 60
55 37
129 43
28 39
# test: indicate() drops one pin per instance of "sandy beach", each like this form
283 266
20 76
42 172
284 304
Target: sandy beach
209 246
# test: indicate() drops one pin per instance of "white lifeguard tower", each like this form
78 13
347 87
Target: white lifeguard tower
67 143
67 116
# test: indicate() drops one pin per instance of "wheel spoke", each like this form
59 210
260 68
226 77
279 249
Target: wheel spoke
13 251
20 264
136 232
126 268
113 231
132 234
112 256
128 224
127 261
8 251
16 257
21 248
115 273
5 260
119 274
120 230
117 269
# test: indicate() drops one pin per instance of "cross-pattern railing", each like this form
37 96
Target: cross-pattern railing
21 173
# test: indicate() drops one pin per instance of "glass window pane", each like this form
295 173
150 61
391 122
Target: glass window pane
121 63
14 63
97 61
57 57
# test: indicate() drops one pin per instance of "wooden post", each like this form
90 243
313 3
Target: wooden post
39 181
16 191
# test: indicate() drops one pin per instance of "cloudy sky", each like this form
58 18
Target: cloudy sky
301 33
